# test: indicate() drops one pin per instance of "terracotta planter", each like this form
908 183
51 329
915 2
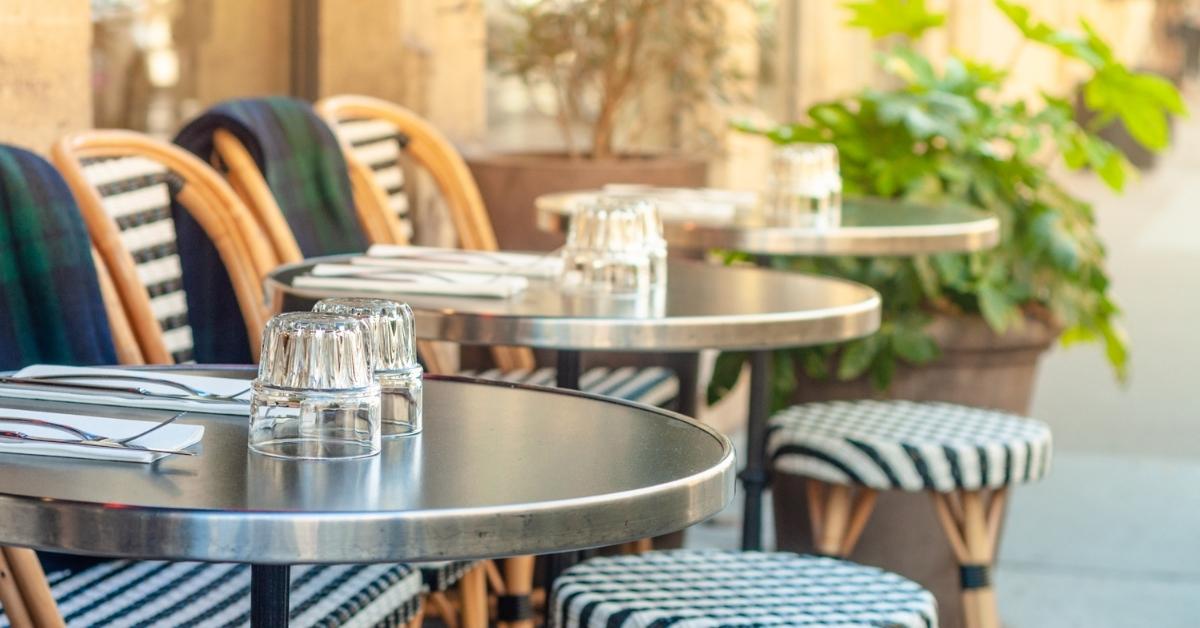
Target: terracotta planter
978 368
510 182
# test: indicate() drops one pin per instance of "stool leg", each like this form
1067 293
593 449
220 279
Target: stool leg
838 514
473 598
518 582
973 533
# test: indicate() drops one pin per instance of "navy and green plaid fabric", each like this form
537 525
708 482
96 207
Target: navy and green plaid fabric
50 305
300 159
302 163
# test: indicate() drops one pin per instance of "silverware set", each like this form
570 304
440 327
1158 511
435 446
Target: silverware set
85 438
87 384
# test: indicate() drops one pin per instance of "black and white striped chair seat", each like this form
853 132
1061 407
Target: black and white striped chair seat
652 385
909 445
379 145
443 575
131 594
703 588
136 193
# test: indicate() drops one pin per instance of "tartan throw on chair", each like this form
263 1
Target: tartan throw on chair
50 305
301 161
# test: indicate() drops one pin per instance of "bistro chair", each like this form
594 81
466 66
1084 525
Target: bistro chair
125 184
966 458
377 138
712 588
58 296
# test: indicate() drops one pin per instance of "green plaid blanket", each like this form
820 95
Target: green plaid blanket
301 161
50 305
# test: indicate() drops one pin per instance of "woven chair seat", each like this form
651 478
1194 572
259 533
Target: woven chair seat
203 595
653 386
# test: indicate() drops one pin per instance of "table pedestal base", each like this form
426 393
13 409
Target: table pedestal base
754 475
270 588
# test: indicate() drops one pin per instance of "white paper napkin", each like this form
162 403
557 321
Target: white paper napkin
427 258
174 436
219 385
376 279
680 204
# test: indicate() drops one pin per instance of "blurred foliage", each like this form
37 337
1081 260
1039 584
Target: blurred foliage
946 135
598 55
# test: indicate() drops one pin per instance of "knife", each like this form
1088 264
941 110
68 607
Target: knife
23 437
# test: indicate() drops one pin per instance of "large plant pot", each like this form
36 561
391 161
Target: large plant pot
979 368
510 182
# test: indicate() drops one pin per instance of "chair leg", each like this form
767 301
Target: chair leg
838 514
417 619
518 582
444 610
39 600
473 598
972 530
10 597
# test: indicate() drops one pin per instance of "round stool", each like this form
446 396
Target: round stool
703 588
965 457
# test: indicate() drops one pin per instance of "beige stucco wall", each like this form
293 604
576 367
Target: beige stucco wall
428 55
45 70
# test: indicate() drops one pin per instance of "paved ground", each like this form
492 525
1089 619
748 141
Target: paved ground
1112 538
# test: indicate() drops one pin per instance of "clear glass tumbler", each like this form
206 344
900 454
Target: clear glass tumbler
315 396
804 187
394 357
615 246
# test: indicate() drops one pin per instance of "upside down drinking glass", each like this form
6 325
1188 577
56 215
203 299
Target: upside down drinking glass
315 396
392 337
615 246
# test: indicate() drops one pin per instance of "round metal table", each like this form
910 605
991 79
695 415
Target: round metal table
869 227
704 306
499 470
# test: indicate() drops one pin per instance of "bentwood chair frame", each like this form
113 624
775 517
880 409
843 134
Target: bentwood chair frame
433 152
206 197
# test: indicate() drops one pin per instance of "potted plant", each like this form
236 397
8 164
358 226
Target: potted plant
966 328
617 68
946 135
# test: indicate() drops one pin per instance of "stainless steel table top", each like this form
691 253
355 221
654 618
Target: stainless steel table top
869 227
703 306
499 470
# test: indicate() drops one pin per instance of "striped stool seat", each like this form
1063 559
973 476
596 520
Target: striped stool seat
908 446
701 588
202 595
653 386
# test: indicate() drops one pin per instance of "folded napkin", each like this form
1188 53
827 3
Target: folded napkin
427 258
174 436
219 385
380 279
680 204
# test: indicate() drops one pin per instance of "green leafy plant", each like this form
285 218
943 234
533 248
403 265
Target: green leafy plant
945 135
